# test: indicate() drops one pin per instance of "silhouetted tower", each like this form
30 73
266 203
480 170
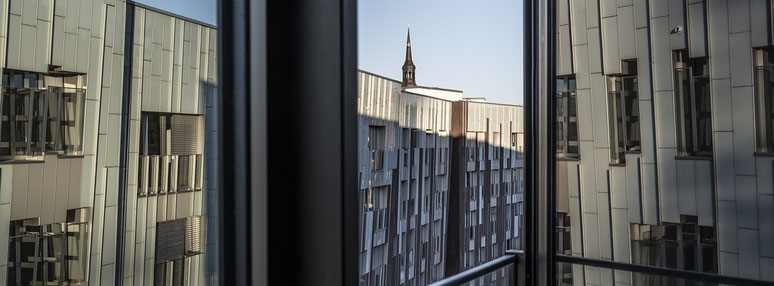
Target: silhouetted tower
409 75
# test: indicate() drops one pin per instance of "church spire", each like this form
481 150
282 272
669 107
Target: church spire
408 66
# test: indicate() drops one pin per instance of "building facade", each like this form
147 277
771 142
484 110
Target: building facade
664 128
102 144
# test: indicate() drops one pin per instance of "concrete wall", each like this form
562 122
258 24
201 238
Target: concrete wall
731 190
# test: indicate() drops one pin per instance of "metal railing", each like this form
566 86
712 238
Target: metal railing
511 257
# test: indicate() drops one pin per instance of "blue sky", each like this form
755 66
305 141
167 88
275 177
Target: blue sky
202 10
475 46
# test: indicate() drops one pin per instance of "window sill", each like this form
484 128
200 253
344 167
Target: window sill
701 158
564 158
20 161
65 156
763 154
617 165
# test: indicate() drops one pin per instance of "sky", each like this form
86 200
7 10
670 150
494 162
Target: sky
201 10
473 46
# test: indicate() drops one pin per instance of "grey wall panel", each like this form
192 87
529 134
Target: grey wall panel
728 263
744 130
171 207
592 14
184 206
677 18
759 23
662 58
602 163
724 166
605 233
42 45
610 44
659 8
765 175
740 9
588 178
591 234
668 186
718 38
633 188
57 40
585 123
34 190
621 248
766 224
641 10
647 132
741 65
19 192
582 67
748 253
767 263
161 205
727 226
697 42
14 41
705 205
578 20
595 50
599 111
626 37
665 121
618 189
686 186
62 190
722 105
607 8
564 48
746 202
48 199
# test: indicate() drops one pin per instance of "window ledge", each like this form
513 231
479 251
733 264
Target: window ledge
568 158
65 156
702 158
763 154
20 161
617 164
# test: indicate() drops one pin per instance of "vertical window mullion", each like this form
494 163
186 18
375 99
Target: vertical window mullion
12 122
58 126
30 103
44 128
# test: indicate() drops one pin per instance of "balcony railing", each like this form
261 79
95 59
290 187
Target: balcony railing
511 257
169 173
377 160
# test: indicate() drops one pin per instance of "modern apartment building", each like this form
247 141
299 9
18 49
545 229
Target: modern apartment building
439 178
102 144
664 137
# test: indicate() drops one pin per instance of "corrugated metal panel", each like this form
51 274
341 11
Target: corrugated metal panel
186 134
170 240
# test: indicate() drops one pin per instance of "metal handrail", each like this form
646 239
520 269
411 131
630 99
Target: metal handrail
660 271
510 257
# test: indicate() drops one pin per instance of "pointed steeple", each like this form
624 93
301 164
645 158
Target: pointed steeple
409 76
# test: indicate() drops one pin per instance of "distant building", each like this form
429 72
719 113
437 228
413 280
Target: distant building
420 192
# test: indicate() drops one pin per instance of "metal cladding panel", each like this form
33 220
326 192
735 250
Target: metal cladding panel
595 50
564 47
608 8
621 249
748 254
602 166
741 65
765 175
677 17
686 187
171 207
724 165
610 55
588 178
697 42
746 202
109 240
626 36
766 224
740 9
722 105
665 119
62 189
578 20
161 204
592 13
759 22
42 46
27 50
19 192
662 57
705 203
582 68
618 189
14 41
83 53
48 197
647 132
718 39
591 234
727 226
184 206
641 10
562 182
767 263
141 219
34 190
668 186
633 188
744 130
599 111
728 263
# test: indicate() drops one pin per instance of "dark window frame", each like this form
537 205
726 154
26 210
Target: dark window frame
693 105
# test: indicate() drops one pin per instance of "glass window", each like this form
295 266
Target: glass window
764 101
693 105
623 115
566 118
